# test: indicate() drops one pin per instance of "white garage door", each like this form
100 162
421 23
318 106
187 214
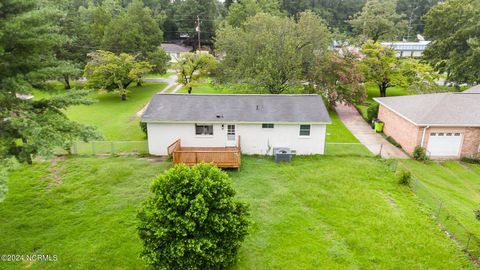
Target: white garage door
444 144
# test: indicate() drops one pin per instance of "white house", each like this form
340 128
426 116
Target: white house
175 51
262 122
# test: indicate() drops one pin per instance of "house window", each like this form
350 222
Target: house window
204 129
304 130
267 125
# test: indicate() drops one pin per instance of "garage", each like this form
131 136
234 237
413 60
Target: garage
443 144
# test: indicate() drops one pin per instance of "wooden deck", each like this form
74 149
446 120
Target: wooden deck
222 157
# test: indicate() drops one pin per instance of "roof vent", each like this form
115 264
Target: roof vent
219 116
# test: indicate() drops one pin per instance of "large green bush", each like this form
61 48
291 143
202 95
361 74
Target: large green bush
420 153
193 220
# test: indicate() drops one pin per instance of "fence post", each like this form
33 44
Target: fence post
468 241
439 209
112 145
93 148
74 148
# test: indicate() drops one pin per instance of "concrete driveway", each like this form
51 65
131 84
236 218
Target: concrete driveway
375 142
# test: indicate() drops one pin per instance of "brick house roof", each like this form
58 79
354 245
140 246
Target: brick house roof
442 109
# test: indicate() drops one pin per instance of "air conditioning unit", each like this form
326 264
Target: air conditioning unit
282 154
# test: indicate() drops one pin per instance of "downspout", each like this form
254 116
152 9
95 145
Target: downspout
423 135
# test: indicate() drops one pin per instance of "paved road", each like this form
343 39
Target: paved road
365 134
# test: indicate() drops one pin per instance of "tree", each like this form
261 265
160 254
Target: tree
338 78
187 12
29 37
240 11
380 66
134 31
193 66
272 52
453 27
419 77
378 20
193 220
110 72
159 59
414 11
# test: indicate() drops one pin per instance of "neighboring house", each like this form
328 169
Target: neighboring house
446 124
175 51
258 122
407 49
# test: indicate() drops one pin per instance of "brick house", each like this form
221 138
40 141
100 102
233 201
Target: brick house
446 124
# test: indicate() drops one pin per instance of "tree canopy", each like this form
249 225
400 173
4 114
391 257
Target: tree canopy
193 66
270 51
381 67
29 37
193 220
454 28
378 20
338 78
110 72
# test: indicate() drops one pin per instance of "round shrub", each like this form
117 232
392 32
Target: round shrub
193 220
404 177
420 153
477 213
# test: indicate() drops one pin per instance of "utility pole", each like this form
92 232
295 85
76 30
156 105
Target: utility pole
198 31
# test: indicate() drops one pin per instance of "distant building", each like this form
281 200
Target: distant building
408 49
175 51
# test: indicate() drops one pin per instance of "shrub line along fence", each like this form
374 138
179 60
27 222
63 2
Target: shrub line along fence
453 228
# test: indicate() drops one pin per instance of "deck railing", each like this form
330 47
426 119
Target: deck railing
222 157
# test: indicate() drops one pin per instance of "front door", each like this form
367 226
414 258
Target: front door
231 136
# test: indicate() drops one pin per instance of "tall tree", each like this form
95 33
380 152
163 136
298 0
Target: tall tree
134 31
272 52
193 66
454 28
380 66
187 12
110 72
337 77
241 10
378 20
414 11
29 38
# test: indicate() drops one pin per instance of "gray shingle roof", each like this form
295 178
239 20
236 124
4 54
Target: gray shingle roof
174 48
236 108
443 109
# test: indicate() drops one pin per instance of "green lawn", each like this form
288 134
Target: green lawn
456 184
373 92
115 119
319 212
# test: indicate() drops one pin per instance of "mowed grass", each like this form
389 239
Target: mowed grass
82 210
319 212
456 184
115 119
